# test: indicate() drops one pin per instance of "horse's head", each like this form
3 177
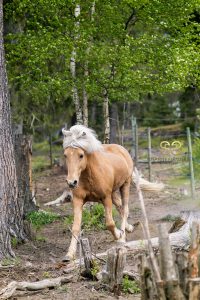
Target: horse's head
76 161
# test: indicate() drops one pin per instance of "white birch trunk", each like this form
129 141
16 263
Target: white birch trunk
85 95
85 98
76 100
106 119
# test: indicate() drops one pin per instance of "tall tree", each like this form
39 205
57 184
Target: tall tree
11 211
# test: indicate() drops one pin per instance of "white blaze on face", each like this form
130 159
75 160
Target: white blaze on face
76 163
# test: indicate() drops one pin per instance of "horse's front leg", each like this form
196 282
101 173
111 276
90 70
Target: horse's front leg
110 223
77 209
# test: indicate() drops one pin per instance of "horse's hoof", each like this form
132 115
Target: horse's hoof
129 228
122 237
121 240
66 258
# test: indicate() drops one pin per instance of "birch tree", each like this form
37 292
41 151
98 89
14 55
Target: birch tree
76 99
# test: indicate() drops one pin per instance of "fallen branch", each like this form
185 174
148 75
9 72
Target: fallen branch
10 289
65 197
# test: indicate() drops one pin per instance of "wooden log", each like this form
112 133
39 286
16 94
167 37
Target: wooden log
65 197
194 289
116 260
10 289
173 291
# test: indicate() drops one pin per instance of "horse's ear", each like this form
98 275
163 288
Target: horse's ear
66 132
83 133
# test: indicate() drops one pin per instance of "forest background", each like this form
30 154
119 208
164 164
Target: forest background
100 62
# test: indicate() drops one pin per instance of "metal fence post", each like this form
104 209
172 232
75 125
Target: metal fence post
192 181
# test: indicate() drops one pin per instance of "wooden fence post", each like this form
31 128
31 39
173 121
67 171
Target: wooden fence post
149 152
168 271
192 181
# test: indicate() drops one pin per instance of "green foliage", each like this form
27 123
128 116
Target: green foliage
129 286
39 163
132 48
40 238
93 218
41 218
95 268
11 261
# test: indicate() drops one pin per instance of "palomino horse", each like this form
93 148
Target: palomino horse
96 172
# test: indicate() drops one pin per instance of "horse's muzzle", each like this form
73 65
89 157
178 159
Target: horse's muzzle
72 183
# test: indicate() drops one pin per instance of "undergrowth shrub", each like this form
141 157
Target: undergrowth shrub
196 157
93 218
41 218
130 286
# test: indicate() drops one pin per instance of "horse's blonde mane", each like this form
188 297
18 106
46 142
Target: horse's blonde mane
79 136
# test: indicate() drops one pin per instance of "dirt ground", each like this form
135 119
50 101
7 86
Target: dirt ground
41 258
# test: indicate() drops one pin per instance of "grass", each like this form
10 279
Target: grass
170 218
130 286
11 261
40 158
41 218
93 218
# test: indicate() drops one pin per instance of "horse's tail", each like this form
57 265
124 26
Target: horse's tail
146 185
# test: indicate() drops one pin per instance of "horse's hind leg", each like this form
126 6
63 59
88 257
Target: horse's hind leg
124 190
117 201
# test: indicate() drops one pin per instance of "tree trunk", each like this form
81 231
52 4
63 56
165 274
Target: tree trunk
86 73
85 98
22 147
11 222
76 100
113 123
106 119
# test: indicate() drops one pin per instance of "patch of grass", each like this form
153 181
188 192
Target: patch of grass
40 238
14 242
41 218
170 218
46 275
11 261
95 268
62 289
40 163
68 220
130 286
93 218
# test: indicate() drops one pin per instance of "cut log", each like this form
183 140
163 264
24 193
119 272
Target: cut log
65 197
116 261
194 289
10 289
87 255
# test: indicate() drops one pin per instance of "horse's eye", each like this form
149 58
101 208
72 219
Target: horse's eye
81 155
